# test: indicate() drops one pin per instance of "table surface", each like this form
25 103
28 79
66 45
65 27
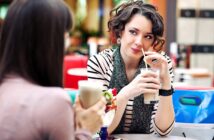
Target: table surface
148 137
194 72
195 125
78 72
199 131
190 130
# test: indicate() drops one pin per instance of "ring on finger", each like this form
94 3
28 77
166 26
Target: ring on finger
154 61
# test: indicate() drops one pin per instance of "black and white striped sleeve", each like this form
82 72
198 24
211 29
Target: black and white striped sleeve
170 66
154 126
100 68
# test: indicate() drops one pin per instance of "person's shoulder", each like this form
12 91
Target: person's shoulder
105 53
103 57
31 90
51 108
51 100
54 93
45 96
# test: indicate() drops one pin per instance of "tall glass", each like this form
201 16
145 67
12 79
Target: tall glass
150 98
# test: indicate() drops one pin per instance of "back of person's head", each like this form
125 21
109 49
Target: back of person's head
1 22
32 41
122 14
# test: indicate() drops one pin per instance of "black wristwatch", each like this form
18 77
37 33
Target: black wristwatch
163 92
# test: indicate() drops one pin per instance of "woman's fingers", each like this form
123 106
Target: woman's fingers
100 104
154 58
149 73
150 80
90 118
77 104
150 86
151 91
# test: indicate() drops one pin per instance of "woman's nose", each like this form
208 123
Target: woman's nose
139 41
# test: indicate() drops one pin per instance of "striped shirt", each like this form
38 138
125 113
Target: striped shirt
100 68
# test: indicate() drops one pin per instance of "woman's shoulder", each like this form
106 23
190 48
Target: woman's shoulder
26 89
104 59
54 94
107 53
52 100
38 94
52 109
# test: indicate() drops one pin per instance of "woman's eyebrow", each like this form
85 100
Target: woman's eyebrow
136 29
149 33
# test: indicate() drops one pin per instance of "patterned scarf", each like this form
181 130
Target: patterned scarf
141 117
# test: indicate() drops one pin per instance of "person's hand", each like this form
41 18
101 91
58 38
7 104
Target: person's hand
158 61
91 118
147 82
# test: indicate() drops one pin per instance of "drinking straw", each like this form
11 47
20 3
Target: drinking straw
144 58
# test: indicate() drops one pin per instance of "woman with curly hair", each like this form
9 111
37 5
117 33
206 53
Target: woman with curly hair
136 26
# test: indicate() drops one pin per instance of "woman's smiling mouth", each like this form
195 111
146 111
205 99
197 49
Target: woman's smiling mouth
136 50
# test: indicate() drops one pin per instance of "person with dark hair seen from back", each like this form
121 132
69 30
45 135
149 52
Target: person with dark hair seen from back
1 22
136 27
33 104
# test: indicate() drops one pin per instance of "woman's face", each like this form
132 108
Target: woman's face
136 36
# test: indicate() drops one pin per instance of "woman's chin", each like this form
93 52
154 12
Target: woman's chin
136 56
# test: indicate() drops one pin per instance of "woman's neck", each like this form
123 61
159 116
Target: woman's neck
131 67
130 63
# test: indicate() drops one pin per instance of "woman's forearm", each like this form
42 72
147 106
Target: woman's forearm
121 105
165 113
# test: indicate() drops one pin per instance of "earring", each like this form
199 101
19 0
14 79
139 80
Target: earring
118 40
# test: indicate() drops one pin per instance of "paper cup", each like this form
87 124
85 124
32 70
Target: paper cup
90 92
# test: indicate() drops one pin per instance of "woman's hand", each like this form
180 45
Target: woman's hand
157 61
91 118
146 82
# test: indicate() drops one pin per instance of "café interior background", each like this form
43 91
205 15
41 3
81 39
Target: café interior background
189 32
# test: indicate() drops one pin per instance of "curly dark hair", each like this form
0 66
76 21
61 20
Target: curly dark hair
122 14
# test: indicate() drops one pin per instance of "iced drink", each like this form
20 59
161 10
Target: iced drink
149 97
89 92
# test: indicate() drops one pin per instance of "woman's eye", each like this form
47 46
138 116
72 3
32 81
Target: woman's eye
133 32
149 37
